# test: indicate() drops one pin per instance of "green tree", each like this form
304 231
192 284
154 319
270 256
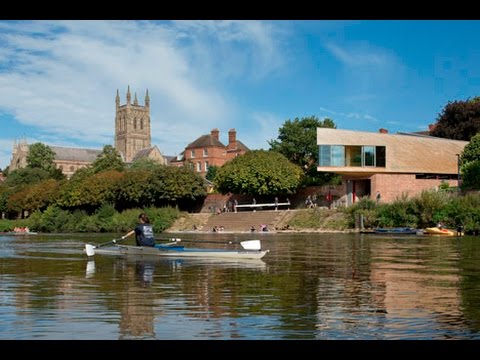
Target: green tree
145 164
108 159
41 156
133 189
89 193
297 141
459 120
259 172
26 176
176 186
471 175
471 152
34 197
211 172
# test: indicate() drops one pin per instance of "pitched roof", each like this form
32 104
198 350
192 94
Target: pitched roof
240 146
75 154
204 141
143 153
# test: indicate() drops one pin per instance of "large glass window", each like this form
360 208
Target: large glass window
354 155
324 158
369 156
337 155
380 156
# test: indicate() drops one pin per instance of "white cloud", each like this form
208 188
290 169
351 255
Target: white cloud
60 77
264 128
360 54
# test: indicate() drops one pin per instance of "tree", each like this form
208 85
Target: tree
259 172
459 120
108 159
145 164
211 172
26 176
471 151
471 175
297 141
41 156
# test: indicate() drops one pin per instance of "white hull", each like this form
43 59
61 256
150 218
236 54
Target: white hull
186 252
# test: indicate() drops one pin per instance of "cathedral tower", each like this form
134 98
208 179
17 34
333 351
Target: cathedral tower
132 126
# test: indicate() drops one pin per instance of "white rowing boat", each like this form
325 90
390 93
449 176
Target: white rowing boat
251 250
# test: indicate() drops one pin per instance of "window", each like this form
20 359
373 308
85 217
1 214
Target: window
380 156
192 154
369 156
338 155
135 123
206 166
205 152
141 124
199 167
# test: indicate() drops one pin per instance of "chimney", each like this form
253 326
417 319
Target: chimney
232 139
383 131
431 127
215 133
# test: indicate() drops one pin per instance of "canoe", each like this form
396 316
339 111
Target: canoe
396 231
437 231
180 251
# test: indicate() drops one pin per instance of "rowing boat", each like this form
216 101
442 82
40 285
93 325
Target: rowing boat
251 250
18 233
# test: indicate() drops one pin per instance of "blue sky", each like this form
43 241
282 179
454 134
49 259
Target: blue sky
58 79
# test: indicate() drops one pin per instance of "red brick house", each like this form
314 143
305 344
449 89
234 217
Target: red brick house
208 150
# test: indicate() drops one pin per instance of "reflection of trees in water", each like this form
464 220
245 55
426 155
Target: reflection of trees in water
469 284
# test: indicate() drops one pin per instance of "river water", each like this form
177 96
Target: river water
310 286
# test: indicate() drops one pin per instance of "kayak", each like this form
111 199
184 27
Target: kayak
437 231
176 251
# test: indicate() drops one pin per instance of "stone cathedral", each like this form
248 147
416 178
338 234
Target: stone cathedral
132 140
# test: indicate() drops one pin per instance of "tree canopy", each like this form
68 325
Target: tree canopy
470 164
108 159
297 141
471 152
459 120
259 172
41 156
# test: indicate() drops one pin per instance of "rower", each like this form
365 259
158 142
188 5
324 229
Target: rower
143 232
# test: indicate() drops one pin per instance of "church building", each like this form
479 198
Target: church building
132 140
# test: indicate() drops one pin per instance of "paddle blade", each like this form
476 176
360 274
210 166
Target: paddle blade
251 245
89 249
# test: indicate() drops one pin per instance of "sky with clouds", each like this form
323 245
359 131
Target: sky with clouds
58 79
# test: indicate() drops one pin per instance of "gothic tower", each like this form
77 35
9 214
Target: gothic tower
132 126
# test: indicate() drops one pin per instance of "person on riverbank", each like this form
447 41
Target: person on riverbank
143 232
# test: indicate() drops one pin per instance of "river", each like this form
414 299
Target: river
309 286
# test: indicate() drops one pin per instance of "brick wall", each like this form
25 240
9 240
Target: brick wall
392 186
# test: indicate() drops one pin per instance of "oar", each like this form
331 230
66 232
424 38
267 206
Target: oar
90 249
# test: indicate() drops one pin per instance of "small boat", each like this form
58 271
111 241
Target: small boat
251 250
437 231
18 233
396 231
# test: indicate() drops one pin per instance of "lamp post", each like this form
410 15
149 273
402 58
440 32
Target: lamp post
458 172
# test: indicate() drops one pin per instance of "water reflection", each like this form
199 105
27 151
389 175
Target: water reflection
308 287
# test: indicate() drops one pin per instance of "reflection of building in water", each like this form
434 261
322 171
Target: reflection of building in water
137 307
413 285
